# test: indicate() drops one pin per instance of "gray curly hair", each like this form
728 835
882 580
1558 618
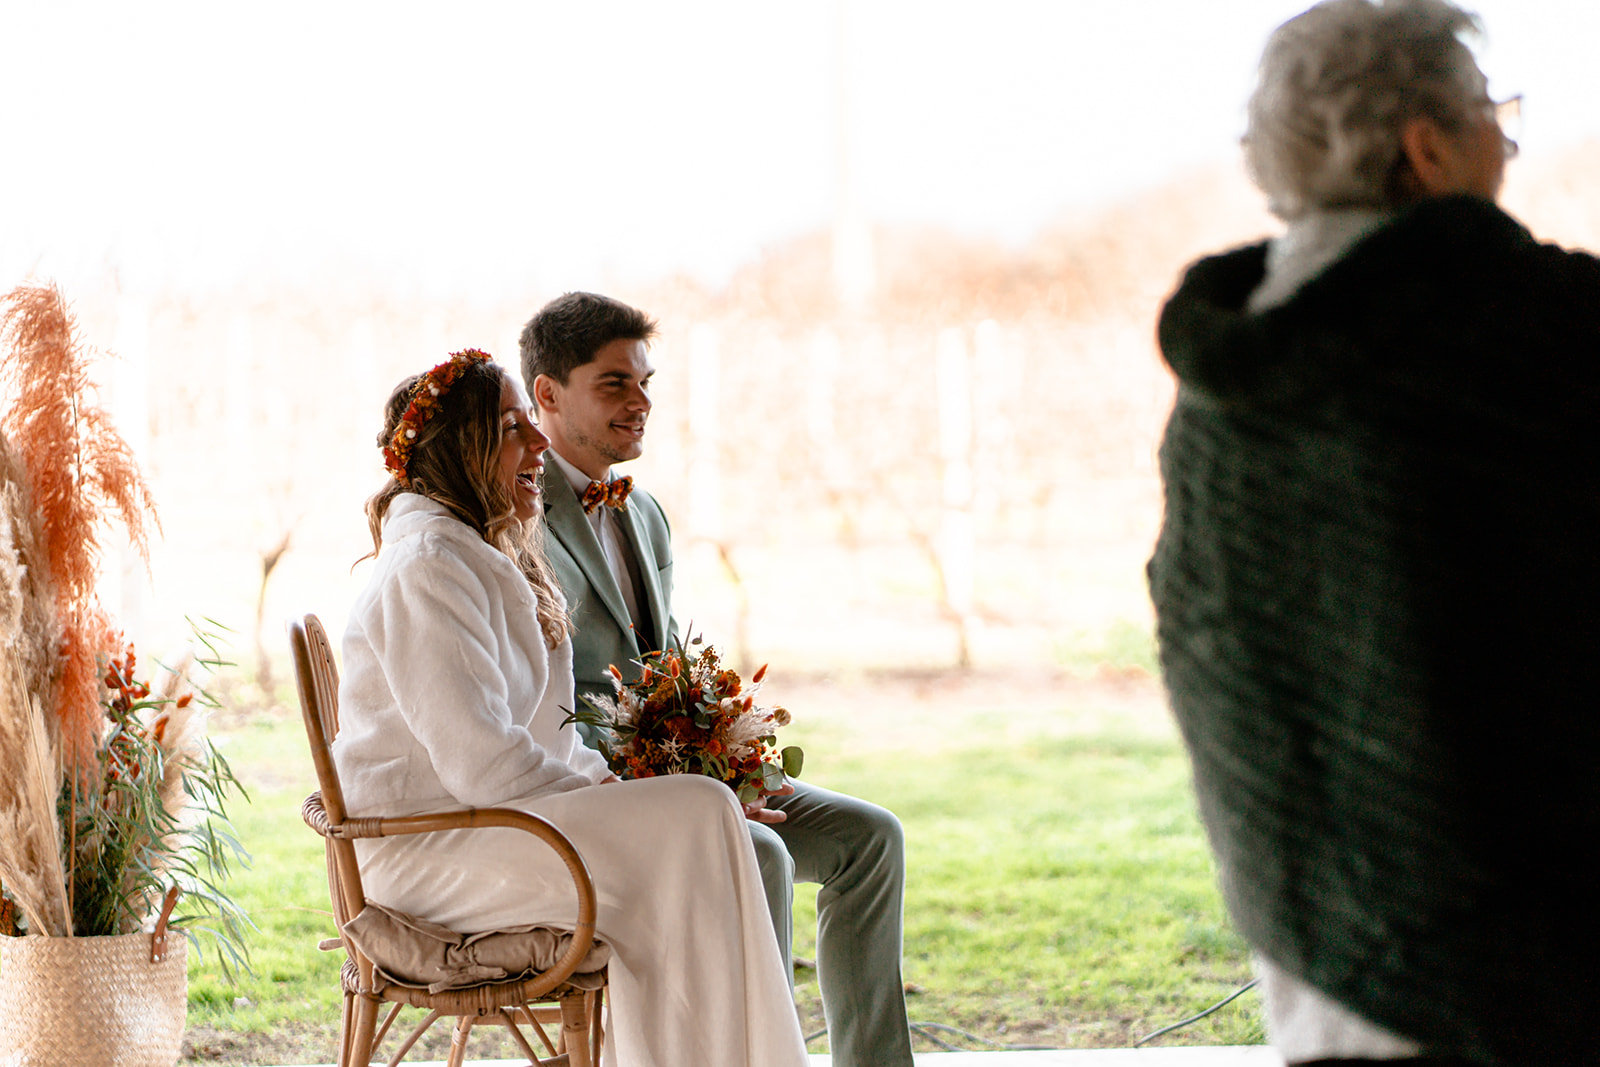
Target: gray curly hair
1338 83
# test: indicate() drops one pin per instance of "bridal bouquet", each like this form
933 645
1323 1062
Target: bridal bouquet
687 714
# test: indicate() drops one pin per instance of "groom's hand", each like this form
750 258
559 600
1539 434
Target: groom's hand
757 810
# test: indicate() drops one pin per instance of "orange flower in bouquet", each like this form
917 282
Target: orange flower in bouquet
687 714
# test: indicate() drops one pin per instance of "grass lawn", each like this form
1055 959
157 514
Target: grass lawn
1060 892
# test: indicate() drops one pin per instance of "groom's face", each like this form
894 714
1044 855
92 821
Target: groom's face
598 417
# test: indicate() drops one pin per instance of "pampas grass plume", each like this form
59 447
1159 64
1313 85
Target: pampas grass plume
81 473
30 836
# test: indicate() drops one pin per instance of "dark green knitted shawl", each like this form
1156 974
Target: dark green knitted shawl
1376 589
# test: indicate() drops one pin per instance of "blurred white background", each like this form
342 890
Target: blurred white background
272 212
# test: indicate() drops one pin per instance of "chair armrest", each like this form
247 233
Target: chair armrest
316 817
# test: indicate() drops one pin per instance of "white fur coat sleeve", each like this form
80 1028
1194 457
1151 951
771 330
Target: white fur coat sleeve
450 696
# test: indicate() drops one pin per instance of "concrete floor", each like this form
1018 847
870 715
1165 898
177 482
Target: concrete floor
1202 1056
1192 1056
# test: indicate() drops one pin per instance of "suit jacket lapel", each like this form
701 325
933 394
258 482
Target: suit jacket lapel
569 525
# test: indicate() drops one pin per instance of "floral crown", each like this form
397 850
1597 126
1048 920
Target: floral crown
426 397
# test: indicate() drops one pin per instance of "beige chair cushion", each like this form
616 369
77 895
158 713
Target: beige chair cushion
415 952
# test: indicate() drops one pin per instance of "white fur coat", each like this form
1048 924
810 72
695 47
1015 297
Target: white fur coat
450 697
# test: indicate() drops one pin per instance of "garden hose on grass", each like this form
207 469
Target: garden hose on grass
925 1029
1224 1002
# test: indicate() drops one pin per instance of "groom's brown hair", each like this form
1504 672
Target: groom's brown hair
568 331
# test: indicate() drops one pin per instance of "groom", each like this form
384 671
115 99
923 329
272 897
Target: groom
585 359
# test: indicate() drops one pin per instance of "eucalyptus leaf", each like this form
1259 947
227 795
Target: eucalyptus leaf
793 760
771 777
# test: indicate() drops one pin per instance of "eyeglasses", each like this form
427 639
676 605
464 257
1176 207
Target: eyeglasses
1507 115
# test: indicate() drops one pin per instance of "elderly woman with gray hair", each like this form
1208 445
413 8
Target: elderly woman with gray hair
1377 581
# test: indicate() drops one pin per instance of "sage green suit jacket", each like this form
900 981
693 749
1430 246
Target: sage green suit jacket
602 630
853 848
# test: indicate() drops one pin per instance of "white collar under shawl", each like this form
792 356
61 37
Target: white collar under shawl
1308 247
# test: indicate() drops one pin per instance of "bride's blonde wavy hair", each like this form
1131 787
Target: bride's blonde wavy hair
455 461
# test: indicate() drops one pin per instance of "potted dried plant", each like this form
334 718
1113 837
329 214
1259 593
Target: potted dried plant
111 796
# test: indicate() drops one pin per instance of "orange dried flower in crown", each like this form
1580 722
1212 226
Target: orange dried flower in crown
427 396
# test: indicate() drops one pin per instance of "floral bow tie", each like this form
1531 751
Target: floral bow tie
613 494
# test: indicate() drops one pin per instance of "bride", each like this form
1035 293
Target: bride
457 674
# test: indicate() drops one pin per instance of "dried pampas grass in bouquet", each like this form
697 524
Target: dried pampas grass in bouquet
81 475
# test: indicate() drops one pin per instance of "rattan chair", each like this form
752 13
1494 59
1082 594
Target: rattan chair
557 997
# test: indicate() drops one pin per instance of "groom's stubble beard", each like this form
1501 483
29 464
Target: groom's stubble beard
608 450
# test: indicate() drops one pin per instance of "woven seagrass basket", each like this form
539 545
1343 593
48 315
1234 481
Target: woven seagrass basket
91 1000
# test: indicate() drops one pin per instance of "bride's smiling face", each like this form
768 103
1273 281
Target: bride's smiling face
522 448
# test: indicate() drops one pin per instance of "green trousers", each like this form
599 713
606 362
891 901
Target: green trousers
855 852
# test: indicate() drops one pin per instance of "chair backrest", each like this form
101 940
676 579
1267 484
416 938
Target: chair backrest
317 679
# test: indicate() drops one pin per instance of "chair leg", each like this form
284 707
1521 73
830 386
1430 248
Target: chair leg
344 1032
575 1029
597 1020
508 1016
345 1021
357 1051
530 1014
416 1032
388 1021
458 1041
